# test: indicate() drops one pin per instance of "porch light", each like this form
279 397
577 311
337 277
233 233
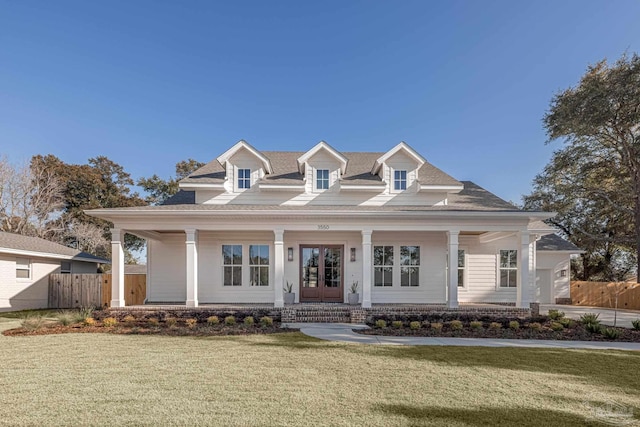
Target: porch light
290 254
563 273
353 254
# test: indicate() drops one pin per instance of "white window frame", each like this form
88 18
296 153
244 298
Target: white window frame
465 274
317 179
62 269
245 179
499 270
29 269
260 266
232 265
417 266
383 266
399 181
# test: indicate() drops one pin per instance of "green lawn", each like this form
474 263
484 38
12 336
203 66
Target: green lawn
290 379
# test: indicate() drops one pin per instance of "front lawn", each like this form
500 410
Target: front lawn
291 379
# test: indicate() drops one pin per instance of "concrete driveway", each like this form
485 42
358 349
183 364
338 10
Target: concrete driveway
606 314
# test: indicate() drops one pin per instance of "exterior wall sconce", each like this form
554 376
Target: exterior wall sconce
353 254
290 254
563 273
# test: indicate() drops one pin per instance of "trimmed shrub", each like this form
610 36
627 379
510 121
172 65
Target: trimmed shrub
110 322
128 319
535 326
566 322
153 321
514 324
89 321
588 318
455 325
266 321
191 323
495 326
213 320
611 333
415 325
557 326
636 324
396 324
249 321
381 323
555 314
475 324
436 326
230 320
171 322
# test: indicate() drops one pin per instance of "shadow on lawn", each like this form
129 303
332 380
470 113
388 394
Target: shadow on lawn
291 340
421 415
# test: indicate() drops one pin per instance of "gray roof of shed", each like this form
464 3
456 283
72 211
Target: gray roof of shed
553 242
285 170
36 244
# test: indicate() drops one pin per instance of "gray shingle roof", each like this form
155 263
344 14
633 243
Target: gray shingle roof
285 170
553 242
36 244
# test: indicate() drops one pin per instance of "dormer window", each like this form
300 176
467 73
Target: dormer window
400 180
244 178
322 179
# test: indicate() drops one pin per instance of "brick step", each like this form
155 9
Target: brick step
323 320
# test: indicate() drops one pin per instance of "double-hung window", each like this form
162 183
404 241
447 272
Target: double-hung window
23 268
383 266
322 179
65 267
461 267
259 265
409 265
508 268
232 265
399 180
244 178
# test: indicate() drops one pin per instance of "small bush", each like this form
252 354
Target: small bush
476 324
171 322
153 321
32 323
65 318
396 324
191 323
266 321
415 325
109 322
557 326
436 326
128 319
611 333
535 326
555 314
381 324
455 325
566 322
590 318
249 321
636 324
230 320
213 320
89 321
85 313
594 328
495 326
514 324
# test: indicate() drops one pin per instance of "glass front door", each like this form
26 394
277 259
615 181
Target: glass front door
321 273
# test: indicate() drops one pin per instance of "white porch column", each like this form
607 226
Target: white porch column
523 291
278 285
452 292
367 267
117 267
192 267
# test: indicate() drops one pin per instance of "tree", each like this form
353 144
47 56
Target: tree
30 199
593 182
160 190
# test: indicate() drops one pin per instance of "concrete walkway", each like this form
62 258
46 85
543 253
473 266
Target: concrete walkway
606 314
343 332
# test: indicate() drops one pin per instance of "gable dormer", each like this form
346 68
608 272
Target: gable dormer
399 167
244 167
322 167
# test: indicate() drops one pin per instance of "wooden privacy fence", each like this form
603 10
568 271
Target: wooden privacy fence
86 290
603 294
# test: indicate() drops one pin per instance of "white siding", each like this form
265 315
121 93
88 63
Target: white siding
167 277
555 262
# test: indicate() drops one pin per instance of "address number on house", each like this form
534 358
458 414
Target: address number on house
323 226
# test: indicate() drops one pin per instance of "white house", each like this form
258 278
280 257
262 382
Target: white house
25 265
250 221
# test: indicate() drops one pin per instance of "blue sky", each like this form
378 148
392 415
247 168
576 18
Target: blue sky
149 83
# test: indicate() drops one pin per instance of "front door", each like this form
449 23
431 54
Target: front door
321 273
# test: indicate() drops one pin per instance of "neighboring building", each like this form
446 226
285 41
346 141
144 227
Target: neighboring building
25 265
135 269
249 221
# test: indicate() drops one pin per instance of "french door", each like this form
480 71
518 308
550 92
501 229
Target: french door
321 271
